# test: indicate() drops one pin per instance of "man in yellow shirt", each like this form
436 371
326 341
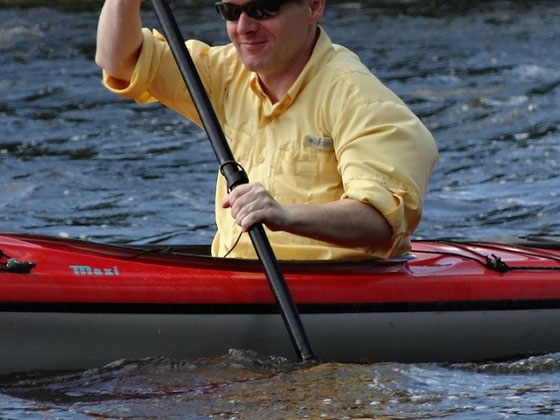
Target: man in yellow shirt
339 165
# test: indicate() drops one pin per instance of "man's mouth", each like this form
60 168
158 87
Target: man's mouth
251 43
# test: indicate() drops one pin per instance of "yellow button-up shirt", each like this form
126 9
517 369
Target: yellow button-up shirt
337 133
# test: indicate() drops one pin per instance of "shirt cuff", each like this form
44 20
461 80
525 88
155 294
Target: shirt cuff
136 89
390 204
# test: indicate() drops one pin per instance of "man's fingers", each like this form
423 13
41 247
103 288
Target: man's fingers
230 199
250 204
251 218
245 207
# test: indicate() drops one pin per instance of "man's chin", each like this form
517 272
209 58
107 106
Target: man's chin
252 64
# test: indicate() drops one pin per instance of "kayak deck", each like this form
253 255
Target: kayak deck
439 272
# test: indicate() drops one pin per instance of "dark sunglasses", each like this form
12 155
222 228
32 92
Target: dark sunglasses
256 9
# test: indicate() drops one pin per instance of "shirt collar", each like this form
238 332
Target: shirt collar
322 53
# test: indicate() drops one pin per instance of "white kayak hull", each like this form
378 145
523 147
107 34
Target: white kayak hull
58 341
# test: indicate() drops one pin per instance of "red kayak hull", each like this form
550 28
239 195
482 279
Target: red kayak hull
76 271
429 306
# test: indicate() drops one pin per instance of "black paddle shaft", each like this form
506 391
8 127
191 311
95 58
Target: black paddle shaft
235 175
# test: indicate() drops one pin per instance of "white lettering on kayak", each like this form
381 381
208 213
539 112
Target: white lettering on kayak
86 270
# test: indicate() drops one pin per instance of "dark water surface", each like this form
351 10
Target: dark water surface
76 161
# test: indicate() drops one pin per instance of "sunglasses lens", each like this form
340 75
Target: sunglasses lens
264 9
261 9
253 9
228 11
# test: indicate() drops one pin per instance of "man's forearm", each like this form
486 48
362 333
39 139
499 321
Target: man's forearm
119 37
348 223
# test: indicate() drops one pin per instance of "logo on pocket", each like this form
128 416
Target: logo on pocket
319 143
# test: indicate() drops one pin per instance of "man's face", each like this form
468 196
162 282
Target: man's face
269 46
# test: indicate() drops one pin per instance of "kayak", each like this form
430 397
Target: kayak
71 304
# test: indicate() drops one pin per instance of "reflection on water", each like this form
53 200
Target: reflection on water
77 161
247 385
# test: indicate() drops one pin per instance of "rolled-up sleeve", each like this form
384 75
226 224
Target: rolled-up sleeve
144 72
157 78
385 157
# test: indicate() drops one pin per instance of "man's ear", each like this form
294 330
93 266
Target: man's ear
317 7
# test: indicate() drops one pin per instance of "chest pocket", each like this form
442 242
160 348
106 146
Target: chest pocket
306 171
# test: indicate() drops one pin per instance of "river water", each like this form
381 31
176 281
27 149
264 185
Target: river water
78 162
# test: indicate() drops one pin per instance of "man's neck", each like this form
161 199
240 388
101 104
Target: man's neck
277 85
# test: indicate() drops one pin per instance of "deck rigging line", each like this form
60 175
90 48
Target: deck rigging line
492 261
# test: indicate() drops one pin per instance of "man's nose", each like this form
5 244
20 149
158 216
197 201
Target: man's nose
246 24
